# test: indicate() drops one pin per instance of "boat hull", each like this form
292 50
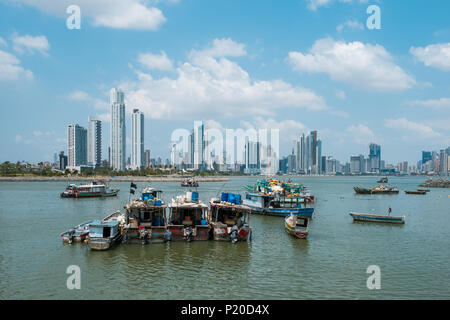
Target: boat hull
200 233
377 218
90 195
299 234
156 235
221 233
371 191
101 244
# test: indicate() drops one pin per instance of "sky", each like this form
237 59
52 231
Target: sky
295 66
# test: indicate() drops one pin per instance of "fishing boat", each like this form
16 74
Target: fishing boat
229 218
426 190
297 226
94 189
78 233
105 233
145 218
189 218
383 180
368 217
189 183
416 192
272 197
376 190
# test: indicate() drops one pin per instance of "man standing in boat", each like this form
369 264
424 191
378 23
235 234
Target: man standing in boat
389 211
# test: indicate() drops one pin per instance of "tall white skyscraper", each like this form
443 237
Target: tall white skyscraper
137 139
76 145
117 131
94 151
199 132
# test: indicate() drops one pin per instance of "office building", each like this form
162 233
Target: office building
76 145
94 152
117 130
137 139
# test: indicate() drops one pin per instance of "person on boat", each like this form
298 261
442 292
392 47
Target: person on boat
389 211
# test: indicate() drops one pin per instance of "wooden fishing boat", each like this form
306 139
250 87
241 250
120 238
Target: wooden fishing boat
229 220
78 233
368 217
416 192
376 190
105 233
189 183
94 189
145 218
426 190
297 226
189 219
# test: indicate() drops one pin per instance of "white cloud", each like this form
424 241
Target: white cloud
30 44
3 42
212 85
418 129
350 24
117 14
442 103
10 68
79 95
435 55
361 134
155 61
365 65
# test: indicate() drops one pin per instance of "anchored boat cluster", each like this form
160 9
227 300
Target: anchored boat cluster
148 219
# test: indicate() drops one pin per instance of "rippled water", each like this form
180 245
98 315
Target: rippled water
414 258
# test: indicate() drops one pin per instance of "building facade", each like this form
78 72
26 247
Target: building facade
76 145
117 130
137 139
94 154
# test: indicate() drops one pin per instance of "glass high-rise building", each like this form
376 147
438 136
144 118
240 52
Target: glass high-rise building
137 139
199 139
374 158
76 145
94 151
117 130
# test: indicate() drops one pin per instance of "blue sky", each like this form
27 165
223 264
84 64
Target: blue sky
294 65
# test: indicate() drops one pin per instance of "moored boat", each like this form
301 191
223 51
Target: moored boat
376 190
383 180
189 183
229 219
368 217
188 218
94 189
105 233
426 190
145 218
78 233
297 226
416 192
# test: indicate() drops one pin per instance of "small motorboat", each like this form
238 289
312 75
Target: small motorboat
189 183
376 190
297 226
77 234
416 192
383 180
105 233
368 217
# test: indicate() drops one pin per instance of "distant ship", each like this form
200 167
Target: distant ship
383 180
93 189
376 190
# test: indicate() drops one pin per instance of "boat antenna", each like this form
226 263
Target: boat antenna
221 188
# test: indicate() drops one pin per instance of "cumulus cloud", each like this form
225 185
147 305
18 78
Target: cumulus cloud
418 129
10 68
211 84
362 134
155 61
365 65
442 103
30 44
117 14
435 55
350 24
79 95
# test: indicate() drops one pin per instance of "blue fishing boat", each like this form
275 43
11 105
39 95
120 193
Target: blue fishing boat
368 217
103 234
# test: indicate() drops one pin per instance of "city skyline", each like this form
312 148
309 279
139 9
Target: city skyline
262 72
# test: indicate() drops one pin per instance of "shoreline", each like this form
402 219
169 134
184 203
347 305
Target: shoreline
112 179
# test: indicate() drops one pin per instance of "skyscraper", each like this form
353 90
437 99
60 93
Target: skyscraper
137 139
94 152
118 133
76 145
147 158
199 140
374 158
